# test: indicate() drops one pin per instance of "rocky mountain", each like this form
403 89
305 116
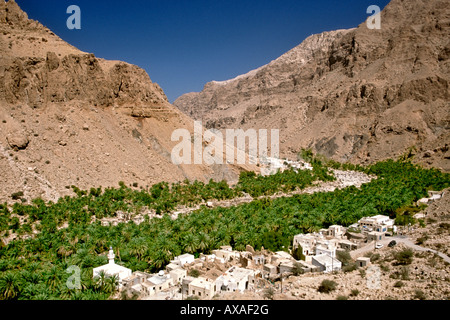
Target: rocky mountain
358 95
70 118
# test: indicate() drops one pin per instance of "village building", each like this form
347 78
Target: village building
270 270
334 231
307 242
347 245
325 263
173 266
331 251
112 269
184 259
178 275
379 223
153 285
286 266
236 279
226 254
202 288
376 236
137 277
362 262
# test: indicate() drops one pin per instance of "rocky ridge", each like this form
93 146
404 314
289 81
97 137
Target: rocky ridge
70 118
355 95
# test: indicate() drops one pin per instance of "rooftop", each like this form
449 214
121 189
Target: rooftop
201 283
156 280
325 259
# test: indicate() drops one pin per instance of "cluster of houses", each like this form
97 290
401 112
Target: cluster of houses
227 270
270 166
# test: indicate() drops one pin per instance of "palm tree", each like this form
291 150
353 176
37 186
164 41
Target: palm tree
100 280
112 284
138 247
160 259
203 242
9 286
53 278
190 243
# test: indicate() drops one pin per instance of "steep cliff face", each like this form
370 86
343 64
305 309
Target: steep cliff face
70 118
38 68
356 95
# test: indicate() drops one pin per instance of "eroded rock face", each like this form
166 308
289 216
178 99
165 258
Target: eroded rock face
70 118
354 95
38 68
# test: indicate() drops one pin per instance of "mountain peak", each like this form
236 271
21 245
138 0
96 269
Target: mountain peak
12 14
358 95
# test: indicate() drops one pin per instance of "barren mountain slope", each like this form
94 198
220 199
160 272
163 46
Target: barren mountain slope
355 95
69 118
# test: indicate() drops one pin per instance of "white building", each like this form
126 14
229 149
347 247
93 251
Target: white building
379 223
226 254
320 249
326 263
201 287
235 279
178 275
184 259
113 269
307 242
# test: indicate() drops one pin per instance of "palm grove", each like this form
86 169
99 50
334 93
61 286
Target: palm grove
35 268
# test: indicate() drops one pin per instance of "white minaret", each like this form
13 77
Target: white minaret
111 256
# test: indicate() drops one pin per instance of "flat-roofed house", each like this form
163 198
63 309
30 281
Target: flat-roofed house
235 279
226 254
178 275
379 223
270 269
307 242
362 262
184 259
326 263
348 245
336 231
137 277
286 266
157 283
376 236
202 288
320 249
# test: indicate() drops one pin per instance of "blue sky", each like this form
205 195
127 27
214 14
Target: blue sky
183 44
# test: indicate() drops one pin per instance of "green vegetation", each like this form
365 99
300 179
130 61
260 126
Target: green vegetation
287 181
348 264
354 293
327 286
269 293
35 268
404 257
420 295
298 269
297 253
194 273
